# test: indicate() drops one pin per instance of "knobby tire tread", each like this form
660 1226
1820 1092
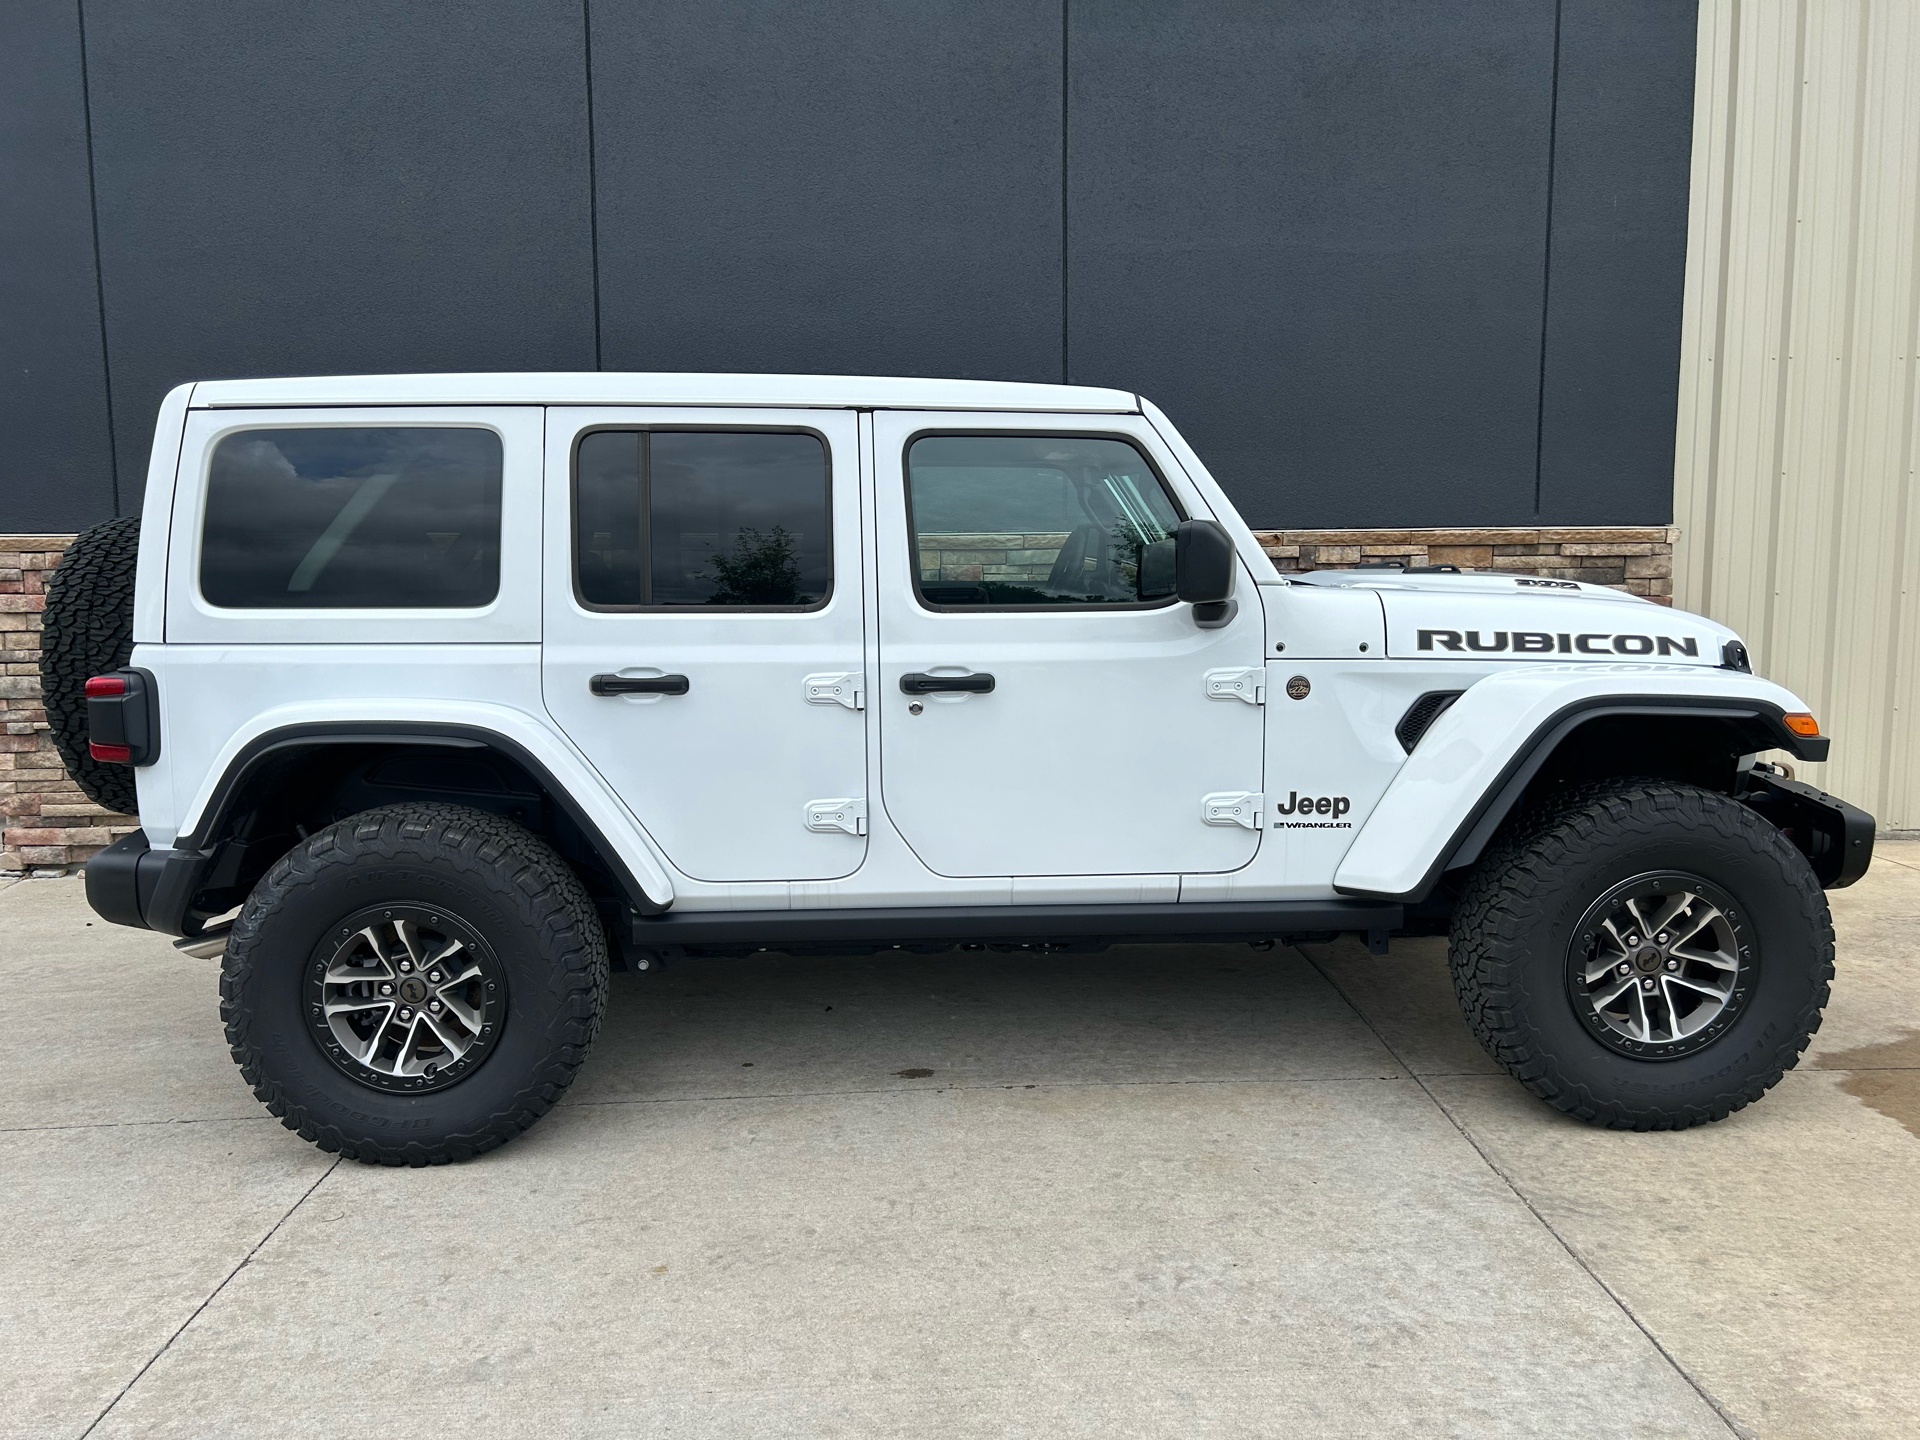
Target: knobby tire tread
86 629
1515 881
514 863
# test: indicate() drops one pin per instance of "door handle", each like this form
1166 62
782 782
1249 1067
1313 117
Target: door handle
917 684
638 685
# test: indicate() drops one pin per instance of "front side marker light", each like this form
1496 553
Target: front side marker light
1802 724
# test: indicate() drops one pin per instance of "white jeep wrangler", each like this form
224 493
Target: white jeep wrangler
461 689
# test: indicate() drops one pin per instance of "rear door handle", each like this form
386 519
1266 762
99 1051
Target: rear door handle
638 685
918 684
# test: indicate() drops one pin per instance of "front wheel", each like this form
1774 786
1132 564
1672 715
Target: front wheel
415 984
1644 955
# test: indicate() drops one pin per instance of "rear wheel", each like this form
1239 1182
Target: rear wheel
1644 955
415 984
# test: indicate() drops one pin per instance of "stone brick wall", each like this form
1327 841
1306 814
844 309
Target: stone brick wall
45 822
1637 559
1022 559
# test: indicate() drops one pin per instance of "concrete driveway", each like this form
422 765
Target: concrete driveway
1196 1191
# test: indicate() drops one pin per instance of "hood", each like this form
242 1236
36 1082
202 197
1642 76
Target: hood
1478 615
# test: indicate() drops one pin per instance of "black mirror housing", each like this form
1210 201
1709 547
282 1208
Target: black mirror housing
1203 562
1159 570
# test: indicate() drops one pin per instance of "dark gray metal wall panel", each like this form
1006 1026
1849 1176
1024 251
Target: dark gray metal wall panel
1622 154
850 186
55 468
1315 236
347 187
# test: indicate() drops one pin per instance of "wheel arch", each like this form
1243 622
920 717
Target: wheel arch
1693 738
310 773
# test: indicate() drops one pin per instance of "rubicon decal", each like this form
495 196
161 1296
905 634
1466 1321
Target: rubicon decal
1542 642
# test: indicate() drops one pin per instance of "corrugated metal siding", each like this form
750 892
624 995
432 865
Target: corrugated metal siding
1798 455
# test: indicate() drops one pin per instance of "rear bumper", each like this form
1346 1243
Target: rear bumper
131 883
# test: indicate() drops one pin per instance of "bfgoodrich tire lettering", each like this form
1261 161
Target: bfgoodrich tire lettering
1519 928
507 885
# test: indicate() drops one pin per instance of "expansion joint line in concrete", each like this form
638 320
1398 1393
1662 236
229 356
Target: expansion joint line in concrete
214 1295
134 1124
1733 1426
956 1089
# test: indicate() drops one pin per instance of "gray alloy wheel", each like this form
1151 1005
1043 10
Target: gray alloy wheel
406 997
1661 965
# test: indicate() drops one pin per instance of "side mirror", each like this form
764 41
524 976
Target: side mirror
1159 570
1203 562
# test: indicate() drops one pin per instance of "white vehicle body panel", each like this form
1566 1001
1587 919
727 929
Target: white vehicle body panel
1566 627
512 616
1307 622
722 775
1465 753
608 387
217 700
1066 766
156 518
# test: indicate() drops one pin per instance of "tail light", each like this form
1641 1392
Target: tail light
123 726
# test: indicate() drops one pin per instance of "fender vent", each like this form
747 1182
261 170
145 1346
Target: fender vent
1422 713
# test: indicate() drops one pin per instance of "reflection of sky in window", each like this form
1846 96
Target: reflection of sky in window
353 516
992 484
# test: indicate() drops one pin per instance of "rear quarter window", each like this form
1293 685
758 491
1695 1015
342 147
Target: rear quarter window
348 517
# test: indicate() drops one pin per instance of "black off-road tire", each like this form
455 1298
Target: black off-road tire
1517 917
509 886
86 630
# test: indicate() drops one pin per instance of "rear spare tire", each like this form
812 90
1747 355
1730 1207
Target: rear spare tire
87 629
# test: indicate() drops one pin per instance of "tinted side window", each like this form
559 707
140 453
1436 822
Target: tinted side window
1035 520
717 518
338 518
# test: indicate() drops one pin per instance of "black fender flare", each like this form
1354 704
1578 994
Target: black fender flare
321 733
1763 724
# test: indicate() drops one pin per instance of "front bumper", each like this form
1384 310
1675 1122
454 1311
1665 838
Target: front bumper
1836 838
131 883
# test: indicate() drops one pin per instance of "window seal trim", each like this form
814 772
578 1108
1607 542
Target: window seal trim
288 612
1004 432
646 497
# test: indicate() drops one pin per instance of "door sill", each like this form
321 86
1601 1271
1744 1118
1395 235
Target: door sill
1017 924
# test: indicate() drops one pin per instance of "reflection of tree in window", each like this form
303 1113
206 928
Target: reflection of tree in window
759 569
